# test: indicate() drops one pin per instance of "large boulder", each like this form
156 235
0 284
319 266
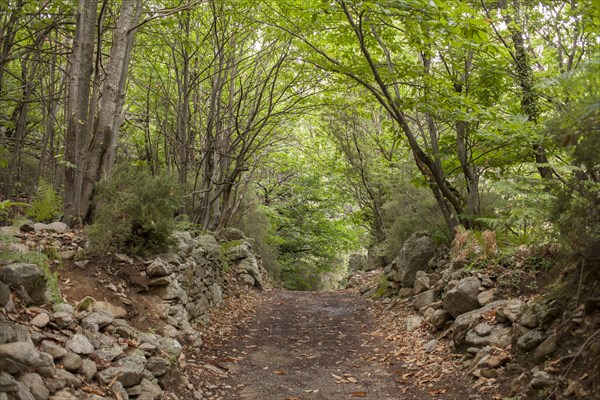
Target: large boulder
463 297
206 247
417 250
28 279
357 262
466 321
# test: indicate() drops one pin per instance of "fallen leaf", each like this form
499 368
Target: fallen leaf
339 378
351 379
278 372
358 394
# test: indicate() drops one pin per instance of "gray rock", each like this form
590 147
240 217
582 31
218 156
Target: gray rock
58 227
97 320
463 297
4 294
40 320
439 318
21 356
500 336
158 366
546 348
63 307
146 389
405 292
126 375
36 386
88 368
531 340
72 362
24 393
417 250
27 276
119 390
159 268
430 346
483 329
62 319
64 394
547 314
55 350
8 383
511 311
162 281
106 307
61 379
79 344
171 347
421 282
206 247
238 252
424 299
247 279
216 293
529 316
466 321
485 298
108 354
413 323
183 241
541 380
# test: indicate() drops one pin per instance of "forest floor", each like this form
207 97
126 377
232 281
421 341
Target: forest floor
327 345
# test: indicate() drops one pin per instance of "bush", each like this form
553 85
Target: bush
134 212
46 205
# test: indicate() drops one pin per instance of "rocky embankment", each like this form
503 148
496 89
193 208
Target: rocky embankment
89 349
536 336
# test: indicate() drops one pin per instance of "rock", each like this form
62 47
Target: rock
239 251
510 311
97 320
63 307
424 299
108 354
498 360
55 350
430 346
58 227
72 362
541 380
463 297
247 279
127 376
146 389
206 247
158 366
466 321
230 234
184 241
439 318
61 379
111 309
8 383
36 386
23 392
546 348
162 281
530 340
20 356
499 336
485 298
171 347
123 258
547 314
404 293
417 250
62 319
64 394
120 391
158 268
40 320
483 329
529 317
28 276
421 282
4 294
88 368
79 344
413 323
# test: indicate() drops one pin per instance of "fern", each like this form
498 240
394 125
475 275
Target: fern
46 205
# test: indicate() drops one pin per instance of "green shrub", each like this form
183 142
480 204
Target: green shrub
134 212
46 205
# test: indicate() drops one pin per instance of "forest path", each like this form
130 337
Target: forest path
305 345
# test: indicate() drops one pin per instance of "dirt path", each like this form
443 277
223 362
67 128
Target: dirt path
303 345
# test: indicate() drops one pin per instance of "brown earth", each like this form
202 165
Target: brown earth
305 345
